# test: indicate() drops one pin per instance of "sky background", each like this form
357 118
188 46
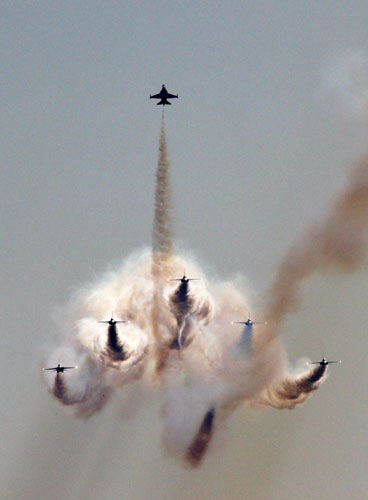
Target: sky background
261 138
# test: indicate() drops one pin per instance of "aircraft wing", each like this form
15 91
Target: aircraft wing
51 369
238 322
171 96
327 362
69 367
114 323
156 96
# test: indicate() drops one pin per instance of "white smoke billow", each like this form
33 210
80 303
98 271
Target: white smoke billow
345 77
179 335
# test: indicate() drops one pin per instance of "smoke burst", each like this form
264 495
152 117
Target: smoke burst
181 337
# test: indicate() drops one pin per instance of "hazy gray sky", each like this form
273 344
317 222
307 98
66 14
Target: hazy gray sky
258 142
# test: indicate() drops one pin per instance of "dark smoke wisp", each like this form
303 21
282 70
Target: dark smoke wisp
181 305
115 349
60 391
201 441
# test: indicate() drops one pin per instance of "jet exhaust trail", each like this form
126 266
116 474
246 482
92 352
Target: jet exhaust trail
60 391
181 337
181 304
293 391
114 347
162 246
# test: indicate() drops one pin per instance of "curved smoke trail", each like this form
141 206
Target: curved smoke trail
339 241
184 332
293 391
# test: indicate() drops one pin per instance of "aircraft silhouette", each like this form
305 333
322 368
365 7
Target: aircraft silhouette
60 368
249 322
184 279
113 321
164 95
324 362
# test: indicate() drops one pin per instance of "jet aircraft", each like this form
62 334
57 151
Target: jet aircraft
60 368
324 362
184 279
249 322
164 95
113 321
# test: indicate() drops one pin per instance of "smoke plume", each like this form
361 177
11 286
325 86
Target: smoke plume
179 335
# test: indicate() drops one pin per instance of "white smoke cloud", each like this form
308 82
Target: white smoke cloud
345 77
208 375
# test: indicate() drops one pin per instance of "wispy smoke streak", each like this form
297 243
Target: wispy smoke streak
339 240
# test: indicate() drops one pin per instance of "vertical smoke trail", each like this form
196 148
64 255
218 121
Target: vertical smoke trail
181 304
162 231
59 390
161 252
116 350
